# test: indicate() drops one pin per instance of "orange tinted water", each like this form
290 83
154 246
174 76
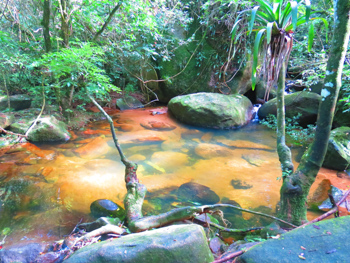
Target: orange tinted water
57 183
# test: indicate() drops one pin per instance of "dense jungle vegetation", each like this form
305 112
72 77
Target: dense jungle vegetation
59 48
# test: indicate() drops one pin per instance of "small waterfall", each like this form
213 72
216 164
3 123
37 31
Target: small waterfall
255 112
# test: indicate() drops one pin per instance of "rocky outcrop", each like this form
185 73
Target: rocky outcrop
173 244
338 151
17 102
212 110
325 241
303 103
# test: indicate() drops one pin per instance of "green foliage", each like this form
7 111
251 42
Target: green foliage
77 68
297 135
278 20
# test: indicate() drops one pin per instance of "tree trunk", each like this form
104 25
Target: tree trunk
284 153
46 25
65 32
107 21
296 186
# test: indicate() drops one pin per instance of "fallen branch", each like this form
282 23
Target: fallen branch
330 212
12 133
236 231
230 256
107 229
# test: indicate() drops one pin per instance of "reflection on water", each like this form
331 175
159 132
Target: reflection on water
47 189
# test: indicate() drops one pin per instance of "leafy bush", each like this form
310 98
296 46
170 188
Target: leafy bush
76 70
298 135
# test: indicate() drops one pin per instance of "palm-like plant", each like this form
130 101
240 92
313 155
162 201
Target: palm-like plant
275 23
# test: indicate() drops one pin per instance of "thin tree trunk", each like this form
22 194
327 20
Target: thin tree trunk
296 187
107 21
64 21
46 25
284 153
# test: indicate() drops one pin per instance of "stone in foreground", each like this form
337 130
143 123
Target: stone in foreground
324 242
212 110
173 244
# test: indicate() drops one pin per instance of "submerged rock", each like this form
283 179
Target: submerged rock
17 102
197 193
212 110
157 126
304 103
325 241
173 244
209 151
338 151
105 207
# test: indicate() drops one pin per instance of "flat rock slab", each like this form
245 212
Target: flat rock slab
173 244
326 241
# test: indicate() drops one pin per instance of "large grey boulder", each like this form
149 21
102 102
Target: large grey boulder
212 110
338 151
323 242
304 103
17 102
173 244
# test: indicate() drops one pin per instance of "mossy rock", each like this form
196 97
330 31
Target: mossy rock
6 119
17 102
303 103
212 110
47 129
338 151
172 244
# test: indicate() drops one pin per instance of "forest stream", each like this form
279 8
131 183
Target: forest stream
47 189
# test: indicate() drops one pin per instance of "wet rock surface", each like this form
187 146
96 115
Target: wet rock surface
105 207
325 241
21 253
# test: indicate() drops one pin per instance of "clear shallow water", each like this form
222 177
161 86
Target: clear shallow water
47 189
